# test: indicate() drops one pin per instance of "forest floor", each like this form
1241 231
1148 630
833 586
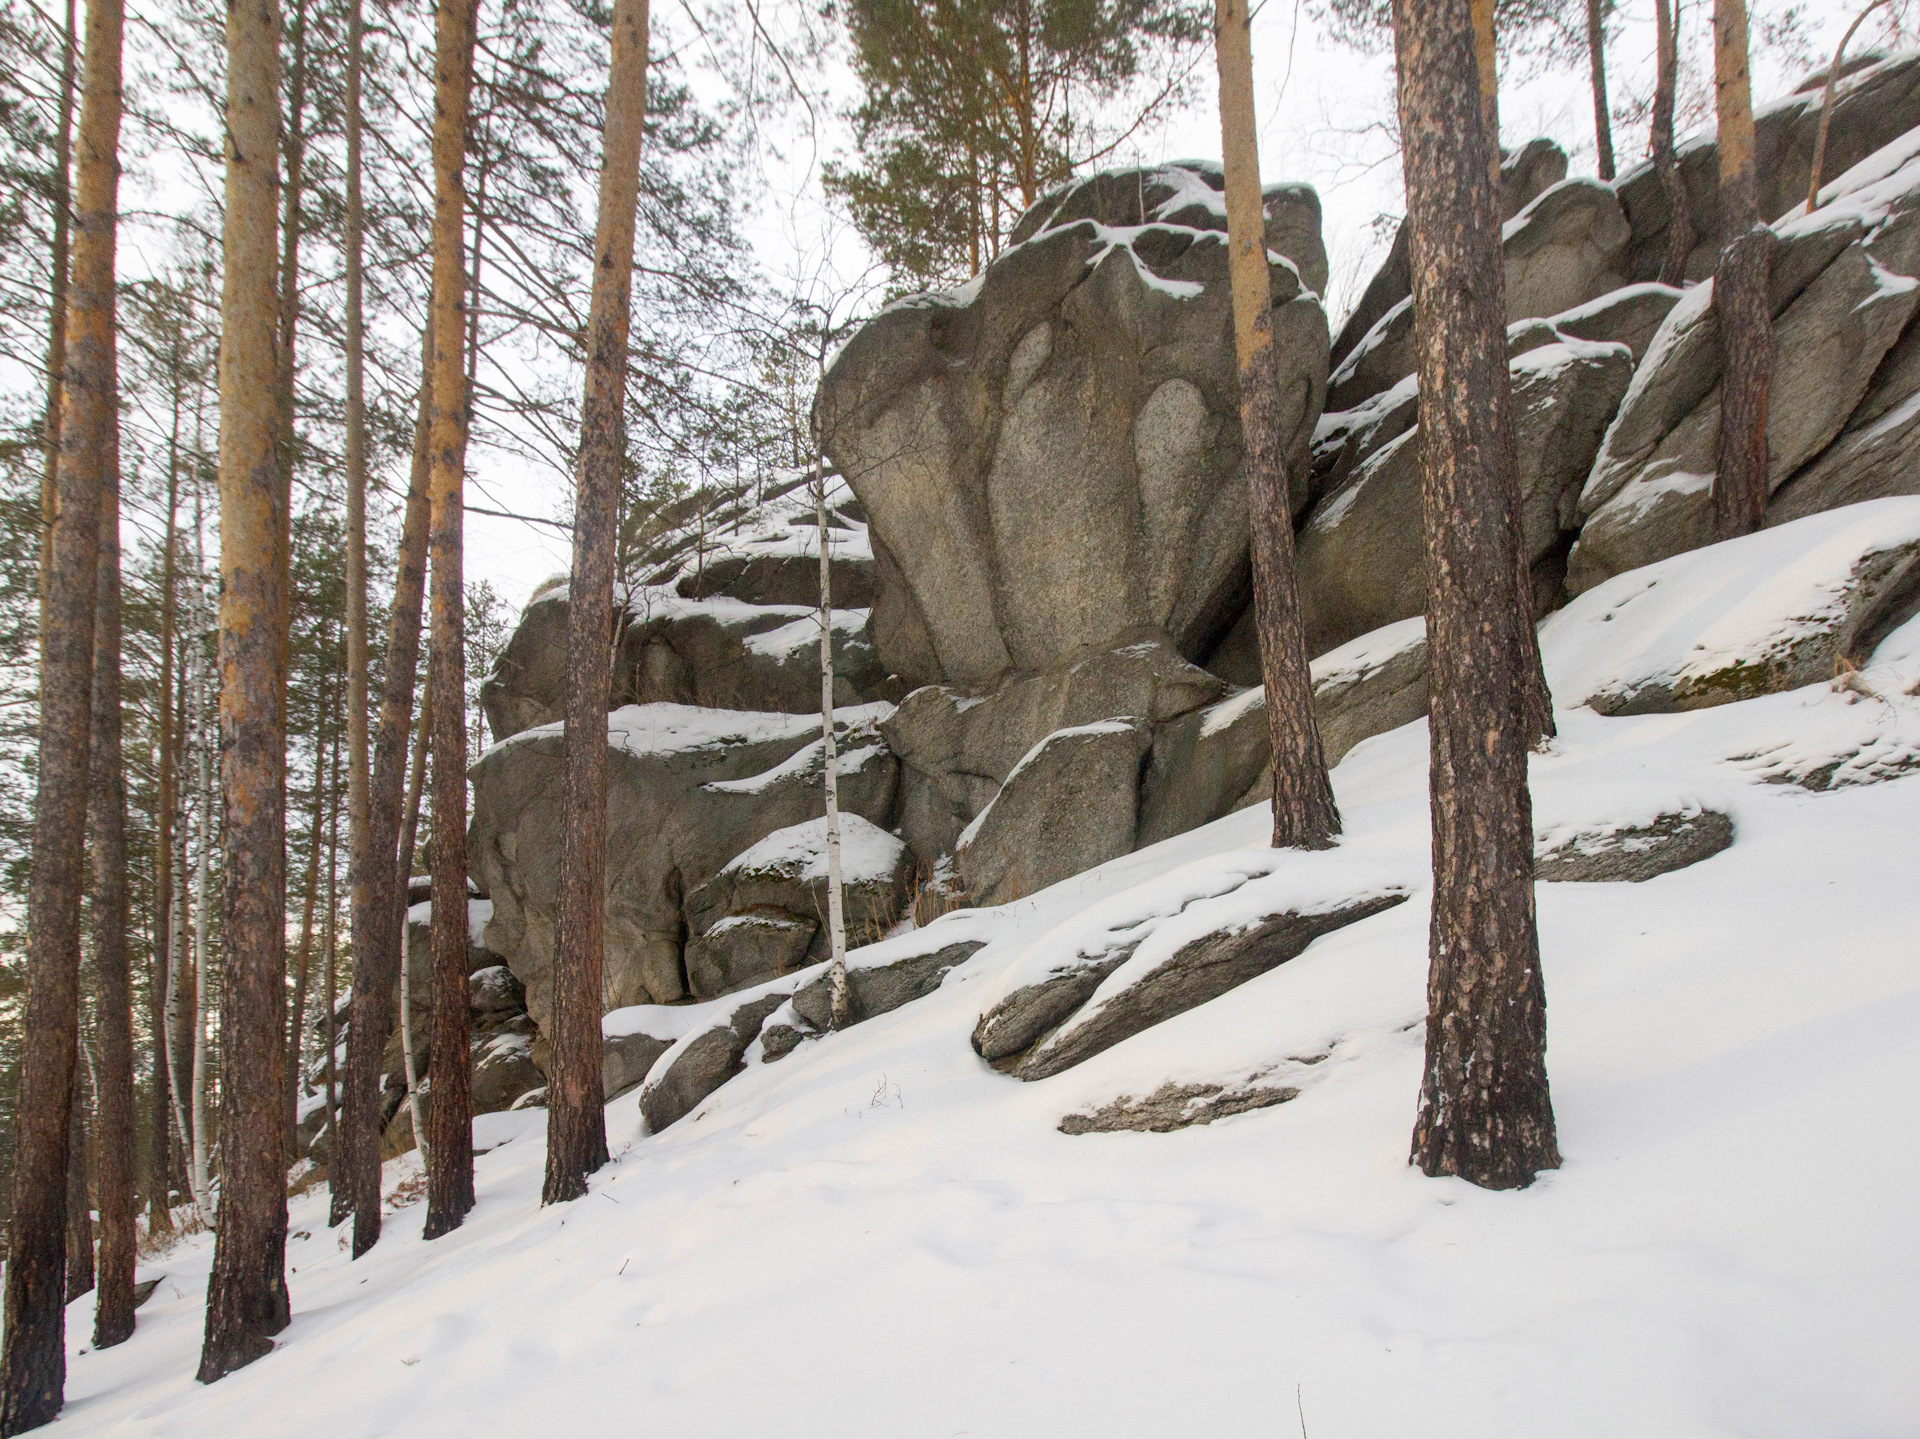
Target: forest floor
880 1236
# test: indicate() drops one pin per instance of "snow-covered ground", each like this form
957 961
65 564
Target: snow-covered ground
880 1236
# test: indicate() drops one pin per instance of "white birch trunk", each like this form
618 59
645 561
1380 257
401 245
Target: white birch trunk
839 989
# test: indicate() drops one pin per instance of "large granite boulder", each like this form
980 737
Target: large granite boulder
1525 174
1051 454
1564 249
1361 555
1873 107
720 652
765 912
1069 804
957 749
1844 291
687 790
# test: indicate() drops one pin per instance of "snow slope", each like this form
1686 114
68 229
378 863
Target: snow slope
879 1236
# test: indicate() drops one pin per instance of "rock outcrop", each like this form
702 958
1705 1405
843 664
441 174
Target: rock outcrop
1052 454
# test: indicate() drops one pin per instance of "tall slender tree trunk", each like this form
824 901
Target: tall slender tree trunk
1304 813
79 1174
57 273
160 971
285 373
1539 703
331 955
1740 285
33 1362
303 956
341 1135
113 1006
1815 172
199 1069
247 1292
576 1124
1485 1112
379 891
1597 69
409 832
450 1121
1666 26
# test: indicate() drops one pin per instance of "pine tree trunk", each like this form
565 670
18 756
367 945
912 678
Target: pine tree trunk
1304 813
379 895
409 832
450 1121
33 1339
341 1134
303 955
1815 172
576 1100
1597 68
247 1291
293 189
79 1176
113 1092
1485 1112
57 268
199 1070
1666 17
1740 285
160 970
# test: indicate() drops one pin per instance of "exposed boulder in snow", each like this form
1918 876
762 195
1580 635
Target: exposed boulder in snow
703 1061
1152 985
626 1058
1099 349
958 749
878 987
503 1070
1650 493
1361 557
1067 806
765 912
688 789
719 653
1636 852
1757 615
782 579
1630 315
1176 1106
1876 455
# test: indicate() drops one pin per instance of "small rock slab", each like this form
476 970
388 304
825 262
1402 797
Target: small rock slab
1199 971
704 1062
882 988
1176 1106
1636 853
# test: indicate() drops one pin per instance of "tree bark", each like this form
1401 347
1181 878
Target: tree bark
57 305
303 956
1666 23
450 1121
247 1291
160 973
293 190
408 831
79 1174
1304 813
1485 1113
341 1135
33 1339
576 1123
113 1005
1539 703
1597 68
1740 285
839 987
379 890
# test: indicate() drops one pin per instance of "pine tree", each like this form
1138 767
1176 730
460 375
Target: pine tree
1673 265
113 1089
1304 813
576 1125
450 1121
33 1343
1597 71
1485 1113
1740 286
247 1293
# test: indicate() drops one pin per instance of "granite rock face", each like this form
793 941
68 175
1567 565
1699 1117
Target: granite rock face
1051 455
